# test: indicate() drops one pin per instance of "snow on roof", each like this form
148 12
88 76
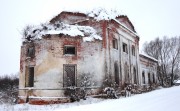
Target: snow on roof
37 32
152 58
103 14
88 33
99 13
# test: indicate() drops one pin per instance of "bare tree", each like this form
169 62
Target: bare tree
167 52
174 56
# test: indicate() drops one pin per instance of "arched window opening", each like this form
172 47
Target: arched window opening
135 78
126 72
153 78
149 78
116 73
143 77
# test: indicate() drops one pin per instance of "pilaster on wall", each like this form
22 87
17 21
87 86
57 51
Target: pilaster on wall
106 47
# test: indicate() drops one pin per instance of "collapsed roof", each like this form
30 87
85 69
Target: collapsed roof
88 33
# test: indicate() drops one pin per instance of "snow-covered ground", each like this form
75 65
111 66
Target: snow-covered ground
165 99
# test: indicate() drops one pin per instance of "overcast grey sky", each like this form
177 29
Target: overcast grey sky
151 18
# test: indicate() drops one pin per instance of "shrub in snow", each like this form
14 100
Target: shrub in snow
86 83
136 89
72 93
110 88
76 93
128 90
108 82
8 89
110 92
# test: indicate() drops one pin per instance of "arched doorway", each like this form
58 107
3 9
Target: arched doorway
126 73
134 73
116 73
143 77
149 78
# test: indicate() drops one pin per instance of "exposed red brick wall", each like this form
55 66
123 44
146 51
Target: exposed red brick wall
64 16
104 28
44 102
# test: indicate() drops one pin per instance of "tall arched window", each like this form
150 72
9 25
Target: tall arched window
116 73
134 73
126 72
143 77
120 71
149 78
153 78
133 50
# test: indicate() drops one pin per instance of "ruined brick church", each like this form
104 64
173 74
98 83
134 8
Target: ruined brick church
77 49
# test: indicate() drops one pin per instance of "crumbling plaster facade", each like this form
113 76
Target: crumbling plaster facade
115 57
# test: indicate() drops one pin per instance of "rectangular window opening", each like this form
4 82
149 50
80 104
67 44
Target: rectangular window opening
125 48
71 50
29 82
115 43
133 50
31 52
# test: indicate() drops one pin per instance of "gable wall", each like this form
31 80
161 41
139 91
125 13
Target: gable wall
69 18
125 22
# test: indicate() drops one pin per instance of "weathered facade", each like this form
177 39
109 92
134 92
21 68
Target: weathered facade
148 70
59 59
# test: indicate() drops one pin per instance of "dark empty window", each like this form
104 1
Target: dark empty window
70 50
135 79
153 78
133 50
125 48
29 82
116 73
31 52
115 43
126 72
149 78
143 77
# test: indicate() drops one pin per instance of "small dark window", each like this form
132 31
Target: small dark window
115 43
29 82
31 52
133 50
69 50
125 48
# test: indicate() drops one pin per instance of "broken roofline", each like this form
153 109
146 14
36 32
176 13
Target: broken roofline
106 17
88 33
86 15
